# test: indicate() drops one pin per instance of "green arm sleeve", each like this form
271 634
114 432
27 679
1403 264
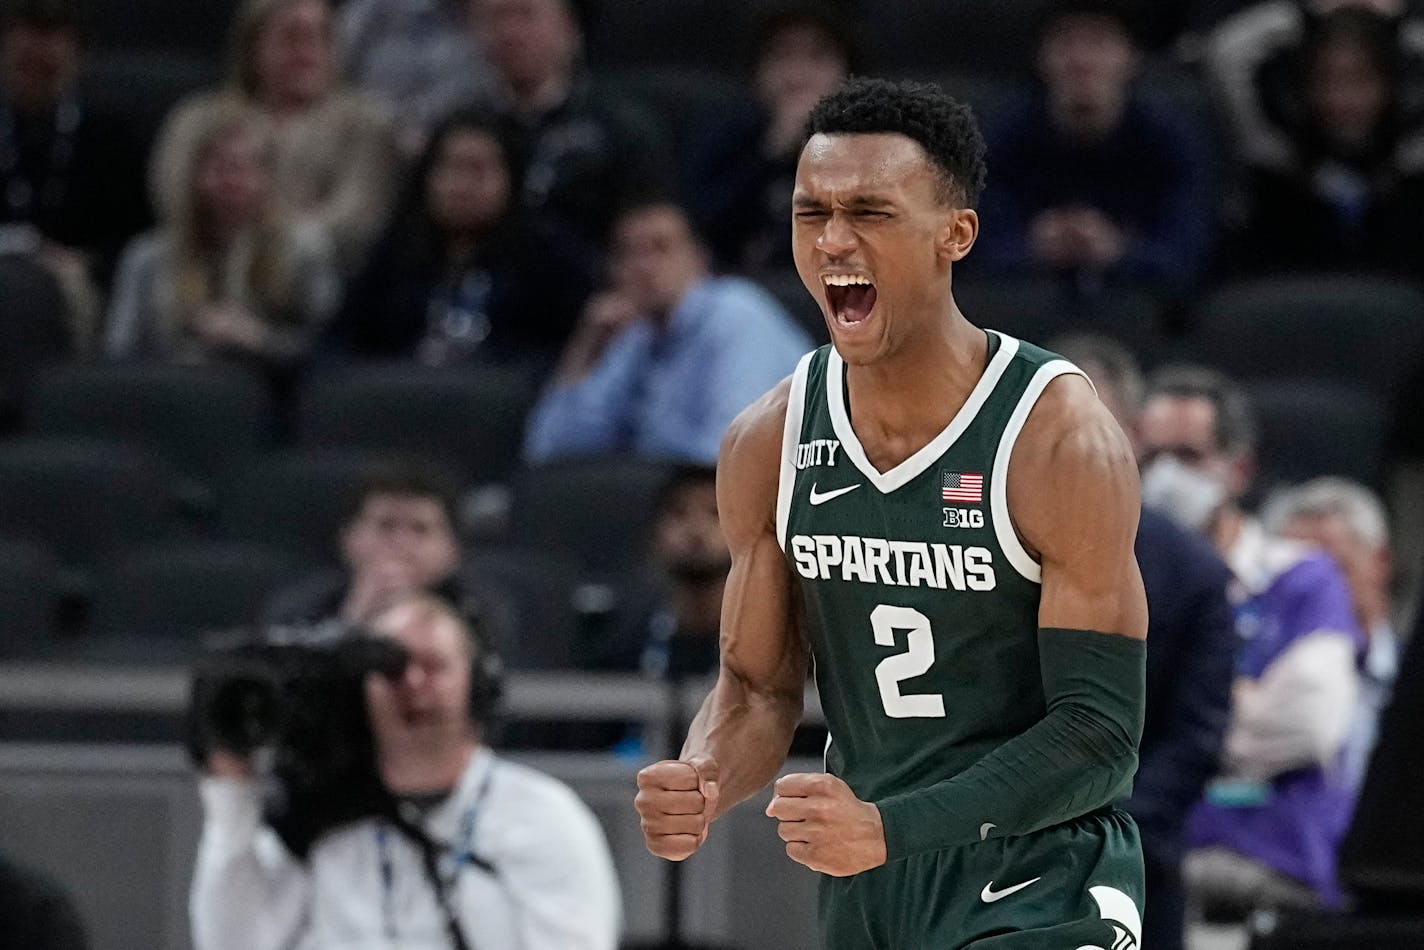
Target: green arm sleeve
1079 757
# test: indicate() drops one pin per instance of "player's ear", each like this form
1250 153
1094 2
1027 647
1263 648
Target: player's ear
958 232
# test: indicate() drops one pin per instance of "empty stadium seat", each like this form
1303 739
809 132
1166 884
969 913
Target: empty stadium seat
1031 308
1360 330
201 420
88 501
181 589
294 500
470 419
29 596
597 510
1037 309
538 587
1135 316
1310 428
34 328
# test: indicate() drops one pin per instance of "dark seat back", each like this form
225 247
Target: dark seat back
29 596
597 510
201 420
471 420
1363 331
87 501
181 589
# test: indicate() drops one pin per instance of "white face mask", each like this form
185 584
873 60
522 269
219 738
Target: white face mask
1187 495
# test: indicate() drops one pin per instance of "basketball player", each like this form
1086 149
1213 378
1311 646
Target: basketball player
943 516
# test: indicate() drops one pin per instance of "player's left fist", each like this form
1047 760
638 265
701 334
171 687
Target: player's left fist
825 826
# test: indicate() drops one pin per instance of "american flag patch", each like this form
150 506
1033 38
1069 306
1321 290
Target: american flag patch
962 487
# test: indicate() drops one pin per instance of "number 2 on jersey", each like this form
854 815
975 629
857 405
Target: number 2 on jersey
915 661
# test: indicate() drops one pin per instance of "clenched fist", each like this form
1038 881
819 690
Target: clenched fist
825 826
676 801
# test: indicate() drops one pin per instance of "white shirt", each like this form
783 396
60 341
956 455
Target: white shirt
365 887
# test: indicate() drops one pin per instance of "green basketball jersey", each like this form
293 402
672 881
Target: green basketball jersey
921 603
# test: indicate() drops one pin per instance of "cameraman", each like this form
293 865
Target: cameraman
477 853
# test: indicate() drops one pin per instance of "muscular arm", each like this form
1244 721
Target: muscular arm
1073 490
746 723
1074 494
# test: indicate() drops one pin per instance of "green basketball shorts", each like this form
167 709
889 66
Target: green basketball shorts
1074 886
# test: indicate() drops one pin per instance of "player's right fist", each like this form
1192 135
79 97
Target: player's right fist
677 799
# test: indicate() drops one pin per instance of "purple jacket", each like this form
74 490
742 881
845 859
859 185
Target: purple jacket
1291 594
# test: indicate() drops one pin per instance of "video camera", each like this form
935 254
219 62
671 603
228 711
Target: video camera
300 693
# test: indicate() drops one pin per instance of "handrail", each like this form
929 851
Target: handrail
48 686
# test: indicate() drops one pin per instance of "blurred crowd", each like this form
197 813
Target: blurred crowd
487 234
452 181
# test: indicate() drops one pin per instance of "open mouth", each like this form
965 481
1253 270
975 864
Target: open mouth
851 298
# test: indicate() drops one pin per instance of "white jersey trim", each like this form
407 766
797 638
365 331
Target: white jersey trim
790 438
916 464
1022 561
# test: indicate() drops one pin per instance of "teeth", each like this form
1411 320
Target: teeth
846 280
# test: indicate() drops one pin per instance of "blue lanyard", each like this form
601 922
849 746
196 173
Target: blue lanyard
459 857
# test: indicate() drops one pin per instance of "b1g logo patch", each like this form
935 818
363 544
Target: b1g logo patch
963 518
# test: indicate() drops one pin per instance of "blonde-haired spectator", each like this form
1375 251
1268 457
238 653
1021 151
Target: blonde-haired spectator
227 273
337 159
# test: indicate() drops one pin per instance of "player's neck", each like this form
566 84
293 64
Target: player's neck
947 357
906 399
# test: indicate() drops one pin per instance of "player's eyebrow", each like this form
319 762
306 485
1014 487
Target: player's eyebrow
868 202
854 203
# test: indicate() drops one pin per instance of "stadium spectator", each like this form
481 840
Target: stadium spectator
741 176
661 362
581 157
1189 667
1351 195
1347 521
397 539
226 274
1268 828
416 54
530 867
461 274
337 159
71 171
35 912
675 635
1252 59
1091 178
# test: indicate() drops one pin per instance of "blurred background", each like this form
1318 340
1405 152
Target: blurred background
307 303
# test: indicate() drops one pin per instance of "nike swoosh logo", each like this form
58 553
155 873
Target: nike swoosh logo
989 895
820 498
984 830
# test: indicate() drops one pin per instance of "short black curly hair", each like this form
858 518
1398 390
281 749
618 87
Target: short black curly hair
943 127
